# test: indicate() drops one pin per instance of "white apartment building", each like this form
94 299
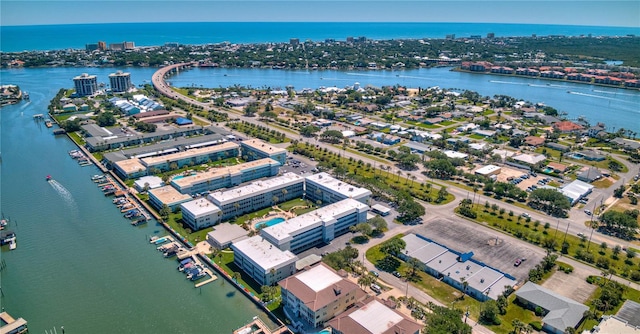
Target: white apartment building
326 189
263 262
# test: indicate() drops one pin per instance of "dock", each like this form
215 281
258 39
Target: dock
11 325
212 277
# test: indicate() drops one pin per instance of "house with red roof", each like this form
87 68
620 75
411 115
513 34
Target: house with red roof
567 127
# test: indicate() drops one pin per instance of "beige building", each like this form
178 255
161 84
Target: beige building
316 295
371 316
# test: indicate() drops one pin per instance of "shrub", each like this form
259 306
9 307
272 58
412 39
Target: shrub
536 325
538 311
635 276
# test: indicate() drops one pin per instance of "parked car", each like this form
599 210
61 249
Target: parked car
517 263
397 274
525 215
374 273
587 212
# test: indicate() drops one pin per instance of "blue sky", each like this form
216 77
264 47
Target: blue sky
576 12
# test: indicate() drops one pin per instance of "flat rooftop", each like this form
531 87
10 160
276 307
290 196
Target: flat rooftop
194 152
254 188
334 185
263 253
319 278
311 219
200 207
168 195
226 232
130 166
262 146
215 173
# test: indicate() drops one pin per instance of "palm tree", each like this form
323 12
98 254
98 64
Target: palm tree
465 284
235 276
366 280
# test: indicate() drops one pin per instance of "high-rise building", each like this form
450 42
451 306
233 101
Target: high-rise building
120 81
85 84
102 46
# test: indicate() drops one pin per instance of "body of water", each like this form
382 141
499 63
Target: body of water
48 37
615 107
79 263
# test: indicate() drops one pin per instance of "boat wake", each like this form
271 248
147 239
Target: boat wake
614 93
509 82
63 192
599 97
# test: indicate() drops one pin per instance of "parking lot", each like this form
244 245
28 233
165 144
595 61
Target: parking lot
464 236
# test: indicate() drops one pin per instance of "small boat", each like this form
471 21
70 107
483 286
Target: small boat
186 263
155 240
48 177
97 177
48 123
198 275
139 221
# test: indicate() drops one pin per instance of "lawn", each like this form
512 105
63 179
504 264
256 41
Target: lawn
175 222
514 311
629 293
76 138
447 123
422 125
476 136
602 183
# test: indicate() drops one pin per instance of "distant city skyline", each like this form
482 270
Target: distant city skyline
623 13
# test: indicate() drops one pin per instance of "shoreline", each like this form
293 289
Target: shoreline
457 69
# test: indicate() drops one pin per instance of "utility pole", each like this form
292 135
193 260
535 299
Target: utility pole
565 232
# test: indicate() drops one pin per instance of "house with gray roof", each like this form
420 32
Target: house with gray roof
560 312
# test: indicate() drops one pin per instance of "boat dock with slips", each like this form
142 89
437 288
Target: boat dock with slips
128 206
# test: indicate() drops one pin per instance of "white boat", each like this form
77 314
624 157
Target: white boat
97 177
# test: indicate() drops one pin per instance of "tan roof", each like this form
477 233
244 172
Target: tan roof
168 195
195 152
306 293
215 173
130 165
262 146
372 316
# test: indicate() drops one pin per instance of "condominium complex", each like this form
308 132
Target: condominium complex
120 81
226 177
223 205
258 195
263 262
167 195
85 84
316 295
317 227
254 149
323 188
192 157
163 161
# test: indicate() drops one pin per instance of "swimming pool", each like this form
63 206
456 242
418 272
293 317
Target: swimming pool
270 222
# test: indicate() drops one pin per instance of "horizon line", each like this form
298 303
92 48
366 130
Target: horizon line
312 22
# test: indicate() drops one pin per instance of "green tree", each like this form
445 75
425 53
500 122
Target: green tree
442 320
393 246
378 223
309 130
165 211
489 313
106 119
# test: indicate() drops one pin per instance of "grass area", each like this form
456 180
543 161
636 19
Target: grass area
422 125
476 136
442 292
286 206
514 311
602 183
629 293
517 226
175 221
247 217
77 138
447 123
365 175
225 261
549 152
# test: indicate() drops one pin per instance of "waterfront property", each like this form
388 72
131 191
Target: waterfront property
100 139
263 262
147 183
85 84
192 157
120 82
254 149
454 268
226 177
326 189
200 213
316 295
317 227
167 195
372 316
559 312
224 234
258 195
